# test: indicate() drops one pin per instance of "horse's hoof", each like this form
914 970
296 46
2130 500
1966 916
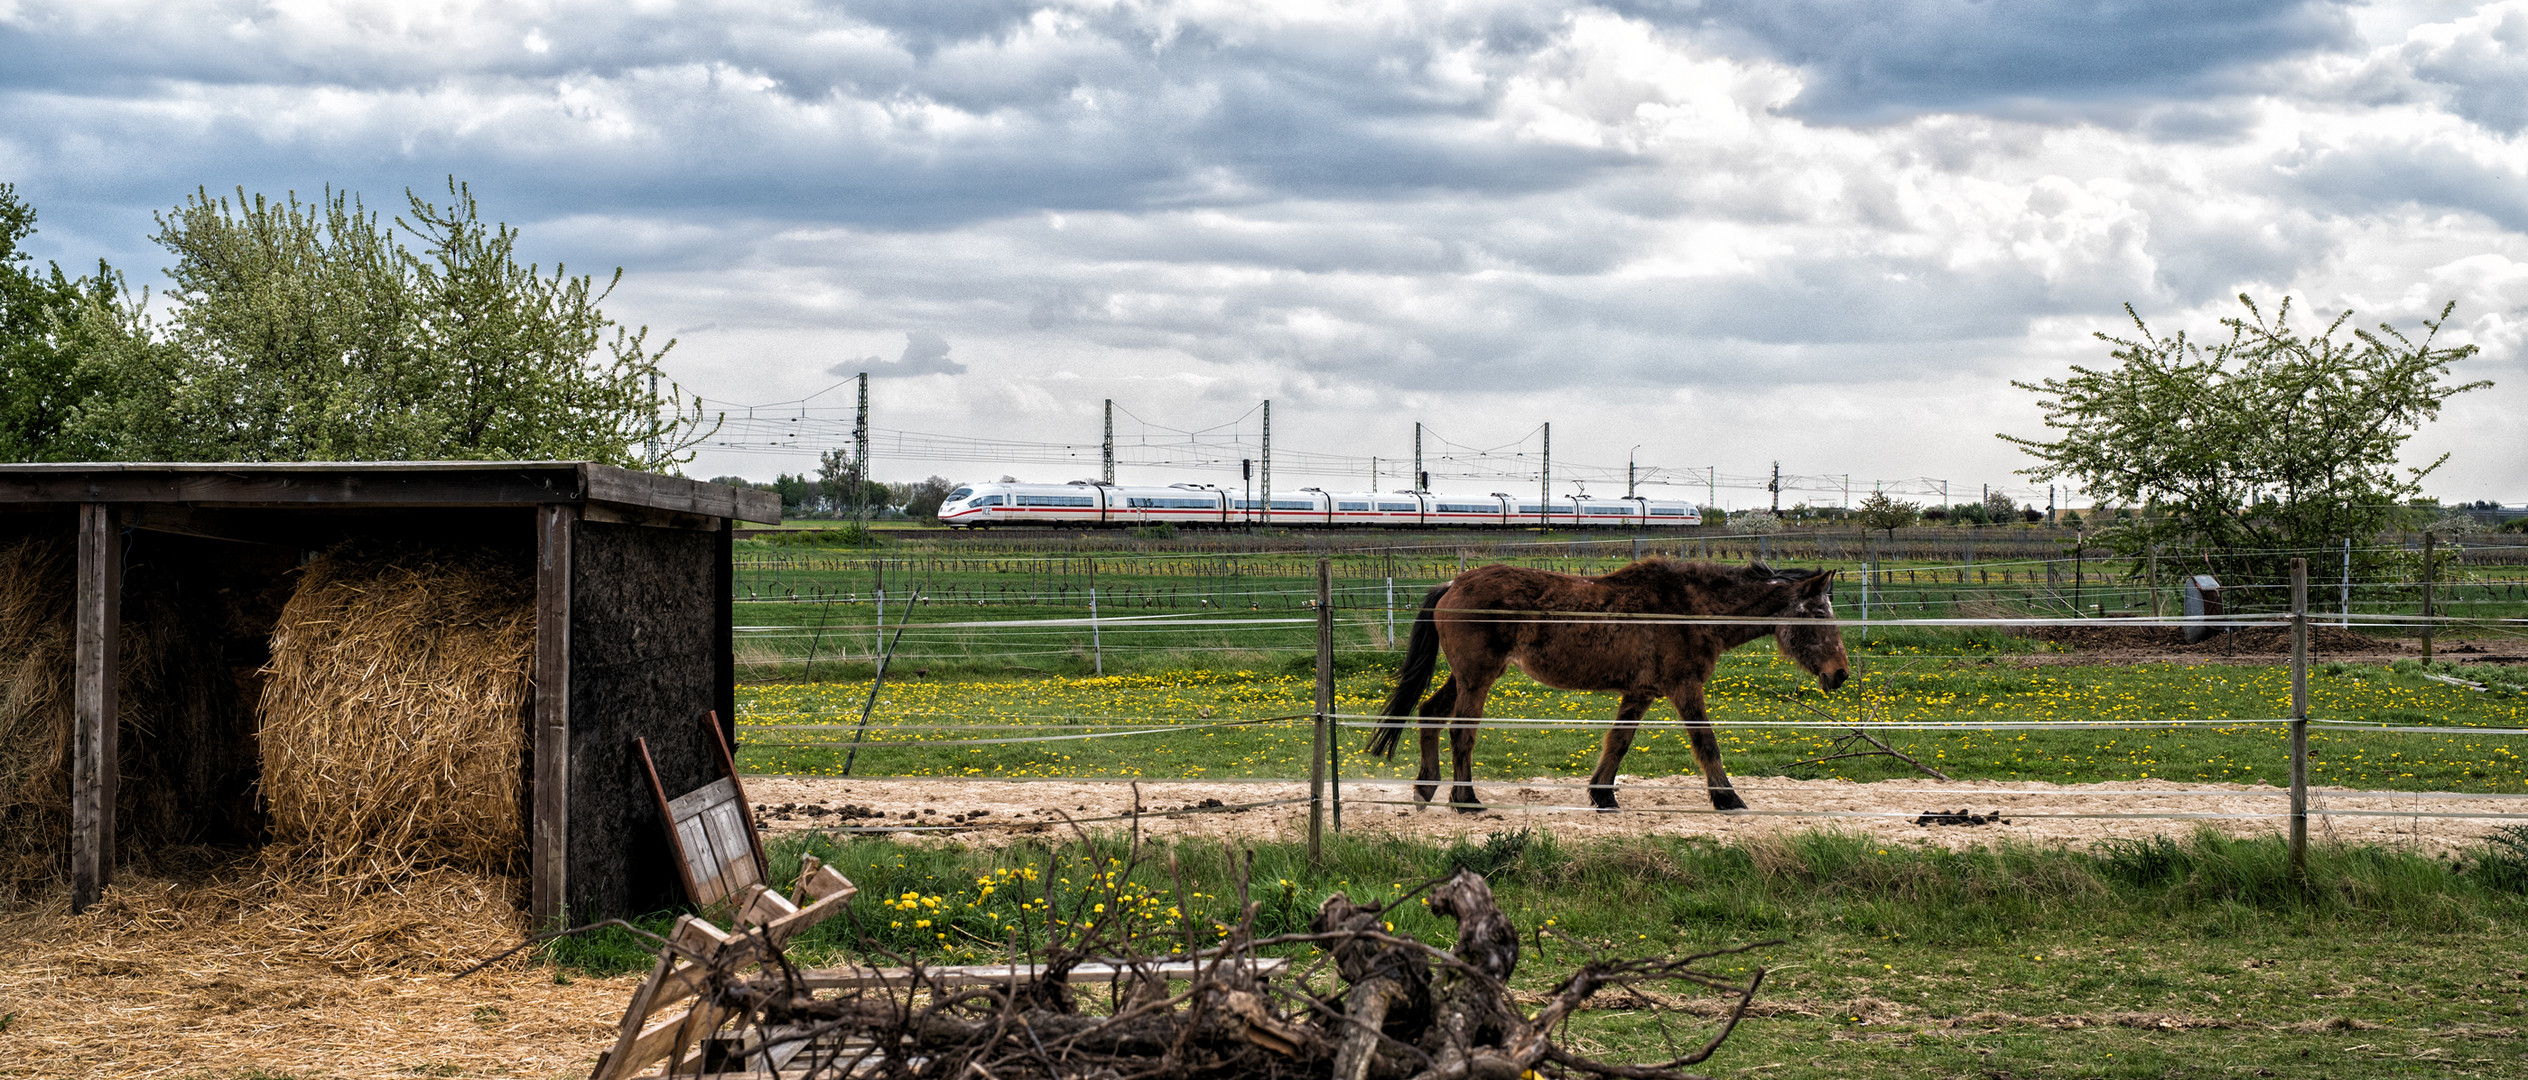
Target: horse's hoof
1603 798
1467 808
1725 799
1465 802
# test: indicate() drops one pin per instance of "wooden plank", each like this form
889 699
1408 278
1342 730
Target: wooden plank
606 483
667 813
724 633
617 514
382 483
96 664
329 484
745 810
548 856
693 803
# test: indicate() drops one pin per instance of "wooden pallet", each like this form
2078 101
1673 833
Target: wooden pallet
765 921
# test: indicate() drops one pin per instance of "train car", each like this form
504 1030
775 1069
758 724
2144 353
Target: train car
1084 504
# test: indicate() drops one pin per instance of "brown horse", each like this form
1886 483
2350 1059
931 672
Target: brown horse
1600 633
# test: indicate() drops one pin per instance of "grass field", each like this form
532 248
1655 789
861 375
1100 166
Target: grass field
2188 957
924 727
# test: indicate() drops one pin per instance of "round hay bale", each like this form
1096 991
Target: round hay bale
35 670
394 713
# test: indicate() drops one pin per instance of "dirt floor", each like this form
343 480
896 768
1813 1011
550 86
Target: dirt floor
247 977
995 811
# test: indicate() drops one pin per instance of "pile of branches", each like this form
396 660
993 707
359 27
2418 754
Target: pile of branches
1390 1007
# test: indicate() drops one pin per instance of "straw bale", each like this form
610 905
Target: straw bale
394 713
35 670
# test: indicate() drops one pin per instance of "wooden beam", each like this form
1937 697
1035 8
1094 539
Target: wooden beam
331 484
95 754
724 633
618 514
548 854
606 483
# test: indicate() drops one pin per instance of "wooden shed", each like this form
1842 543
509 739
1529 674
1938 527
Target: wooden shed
631 584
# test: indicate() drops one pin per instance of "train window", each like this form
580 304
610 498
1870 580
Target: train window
1667 511
1057 500
1399 508
1469 508
1531 509
1360 507
988 500
1144 503
1620 511
960 494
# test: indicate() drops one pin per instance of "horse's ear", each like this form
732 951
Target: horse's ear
1818 584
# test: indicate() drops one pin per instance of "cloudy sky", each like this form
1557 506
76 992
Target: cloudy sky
1726 232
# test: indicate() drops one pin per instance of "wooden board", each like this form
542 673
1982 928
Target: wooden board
710 825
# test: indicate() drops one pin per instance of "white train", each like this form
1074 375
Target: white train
1083 503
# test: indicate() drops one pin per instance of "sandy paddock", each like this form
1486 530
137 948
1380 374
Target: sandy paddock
1677 806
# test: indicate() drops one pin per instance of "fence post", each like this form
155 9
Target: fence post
1391 615
1096 642
2300 721
2346 623
1325 704
2429 567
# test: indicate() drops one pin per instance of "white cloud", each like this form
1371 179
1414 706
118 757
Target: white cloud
1740 232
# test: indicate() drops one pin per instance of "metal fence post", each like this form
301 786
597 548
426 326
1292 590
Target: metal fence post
1325 705
1096 641
2300 721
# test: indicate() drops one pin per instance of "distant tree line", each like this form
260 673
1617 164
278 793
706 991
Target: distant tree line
831 495
297 331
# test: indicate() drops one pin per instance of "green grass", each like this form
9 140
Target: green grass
1898 961
1967 682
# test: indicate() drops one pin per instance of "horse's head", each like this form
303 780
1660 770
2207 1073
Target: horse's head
1811 639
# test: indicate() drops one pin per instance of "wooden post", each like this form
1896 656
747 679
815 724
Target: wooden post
724 633
2428 569
548 852
2300 721
1325 705
96 665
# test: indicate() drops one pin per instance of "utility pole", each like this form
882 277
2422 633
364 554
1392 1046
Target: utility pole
1373 472
1268 463
1109 475
650 445
1629 485
860 453
2049 504
1545 481
1421 480
1711 487
1776 488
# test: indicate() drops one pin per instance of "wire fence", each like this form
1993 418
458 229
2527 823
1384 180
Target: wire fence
1356 620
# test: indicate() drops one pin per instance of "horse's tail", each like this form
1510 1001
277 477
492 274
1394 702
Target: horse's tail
1421 656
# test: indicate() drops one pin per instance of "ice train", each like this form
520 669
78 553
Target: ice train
1084 503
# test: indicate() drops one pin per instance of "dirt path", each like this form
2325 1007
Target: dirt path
994 811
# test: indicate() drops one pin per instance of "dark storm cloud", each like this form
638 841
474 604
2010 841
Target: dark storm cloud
1877 61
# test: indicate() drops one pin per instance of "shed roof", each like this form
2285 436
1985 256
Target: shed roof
377 484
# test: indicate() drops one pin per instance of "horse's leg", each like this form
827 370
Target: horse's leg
1698 730
1442 703
1619 741
1461 741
